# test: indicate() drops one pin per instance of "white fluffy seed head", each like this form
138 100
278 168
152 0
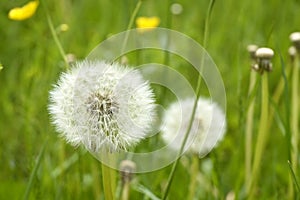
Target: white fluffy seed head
208 128
295 37
102 105
264 53
292 51
251 48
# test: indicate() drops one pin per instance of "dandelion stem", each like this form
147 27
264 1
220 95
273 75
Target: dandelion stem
193 175
262 135
249 129
295 116
97 181
55 37
294 177
131 21
175 164
125 191
277 95
107 185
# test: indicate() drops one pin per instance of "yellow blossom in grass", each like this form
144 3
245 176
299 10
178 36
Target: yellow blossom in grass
25 12
64 27
147 23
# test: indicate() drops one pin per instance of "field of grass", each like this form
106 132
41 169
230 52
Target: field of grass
32 63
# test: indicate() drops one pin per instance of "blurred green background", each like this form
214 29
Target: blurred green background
32 64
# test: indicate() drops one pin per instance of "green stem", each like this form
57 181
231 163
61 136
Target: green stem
131 21
277 95
193 175
107 182
34 171
249 130
125 191
175 164
262 136
295 117
55 37
96 183
294 177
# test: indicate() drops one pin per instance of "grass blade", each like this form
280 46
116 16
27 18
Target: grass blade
34 171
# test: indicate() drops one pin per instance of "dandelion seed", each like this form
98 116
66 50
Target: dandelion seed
24 12
102 105
208 127
147 23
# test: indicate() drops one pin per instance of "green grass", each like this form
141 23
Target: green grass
32 64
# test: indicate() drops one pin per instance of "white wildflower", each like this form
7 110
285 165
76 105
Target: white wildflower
207 130
102 105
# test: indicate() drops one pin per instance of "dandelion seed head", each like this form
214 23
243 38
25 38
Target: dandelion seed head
176 8
208 126
102 105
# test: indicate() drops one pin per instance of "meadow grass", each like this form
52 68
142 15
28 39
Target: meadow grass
32 63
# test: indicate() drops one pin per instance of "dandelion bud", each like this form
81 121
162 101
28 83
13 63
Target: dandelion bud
295 39
127 168
292 52
176 9
252 49
71 58
264 56
124 60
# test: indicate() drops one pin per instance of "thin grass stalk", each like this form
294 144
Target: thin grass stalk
277 95
55 37
262 136
294 178
193 177
131 21
249 129
166 59
34 171
175 164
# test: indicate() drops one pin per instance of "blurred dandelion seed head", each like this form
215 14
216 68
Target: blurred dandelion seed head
252 49
24 12
102 105
176 9
207 130
295 39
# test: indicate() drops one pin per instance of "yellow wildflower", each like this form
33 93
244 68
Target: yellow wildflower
1 66
24 12
64 27
147 23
